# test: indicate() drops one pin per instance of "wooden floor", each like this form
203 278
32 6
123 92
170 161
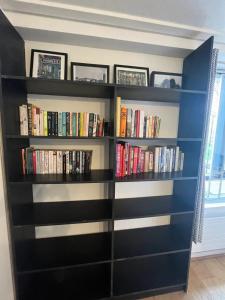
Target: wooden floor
207 281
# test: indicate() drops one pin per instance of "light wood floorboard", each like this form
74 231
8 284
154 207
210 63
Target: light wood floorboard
207 281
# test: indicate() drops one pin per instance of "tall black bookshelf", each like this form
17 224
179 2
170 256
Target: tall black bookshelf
125 264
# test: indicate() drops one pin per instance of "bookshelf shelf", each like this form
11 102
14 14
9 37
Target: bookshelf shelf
131 208
57 137
125 264
95 176
136 276
63 212
64 252
151 176
150 241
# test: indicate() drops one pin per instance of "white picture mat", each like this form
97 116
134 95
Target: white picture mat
133 70
36 60
92 72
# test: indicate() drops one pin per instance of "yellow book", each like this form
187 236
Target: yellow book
81 123
123 122
118 104
45 123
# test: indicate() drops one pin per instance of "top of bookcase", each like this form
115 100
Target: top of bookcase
98 90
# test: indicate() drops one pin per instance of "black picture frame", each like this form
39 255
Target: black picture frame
154 73
33 51
73 64
130 67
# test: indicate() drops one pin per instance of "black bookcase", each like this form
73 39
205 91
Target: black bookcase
126 264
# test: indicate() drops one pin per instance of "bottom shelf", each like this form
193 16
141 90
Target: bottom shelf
150 274
92 282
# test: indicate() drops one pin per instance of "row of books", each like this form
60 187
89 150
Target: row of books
133 159
37 122
135 123
38 161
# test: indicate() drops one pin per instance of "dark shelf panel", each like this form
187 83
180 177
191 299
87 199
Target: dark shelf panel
154 94
130 208
165 140
95 176
65 212
14 136
150 241
99 90
150 274
64 87
81 283
151 176
63 252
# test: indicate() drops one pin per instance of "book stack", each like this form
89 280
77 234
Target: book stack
38 161
135 123
37 122
133 159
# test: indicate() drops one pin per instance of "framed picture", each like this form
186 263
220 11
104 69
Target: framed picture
166 80
131 75
48 64
89 72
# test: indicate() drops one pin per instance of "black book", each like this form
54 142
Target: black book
90 124
83 161
68 124
64 163
78 115
56 123
87 162
49 114
78 162
53 123
70 161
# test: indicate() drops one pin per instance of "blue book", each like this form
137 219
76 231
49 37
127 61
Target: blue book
64 124
60 124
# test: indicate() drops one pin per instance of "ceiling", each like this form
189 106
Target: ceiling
199 13
177 22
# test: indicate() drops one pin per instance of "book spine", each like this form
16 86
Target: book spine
77 162
71 123
53 123
81 123
67 162
95 125
64 163
176 167
135 163
129 122
156 160
91 124
45 123
74 162
50 162
54 162
29 109
59 162
64 124
49 115
70 162
60 124
74 124
56 123
41 121
67 124
37 121
141 131
34 121
46 163
23 120
146 161
23 161
118 105
118 149
123 121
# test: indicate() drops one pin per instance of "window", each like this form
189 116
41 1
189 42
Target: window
215 151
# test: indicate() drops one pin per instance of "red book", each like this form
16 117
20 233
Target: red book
129 160
121 160
139 160
34 162
142 161
135 162
118 149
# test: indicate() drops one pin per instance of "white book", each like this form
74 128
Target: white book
42 159
59 162
50 162
41 122
95 125
129 122
156 159
141 129
37 124
67 162
182 162
163 159
132 122
23 119
37 162
171 160
176 167
54 162
46 162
